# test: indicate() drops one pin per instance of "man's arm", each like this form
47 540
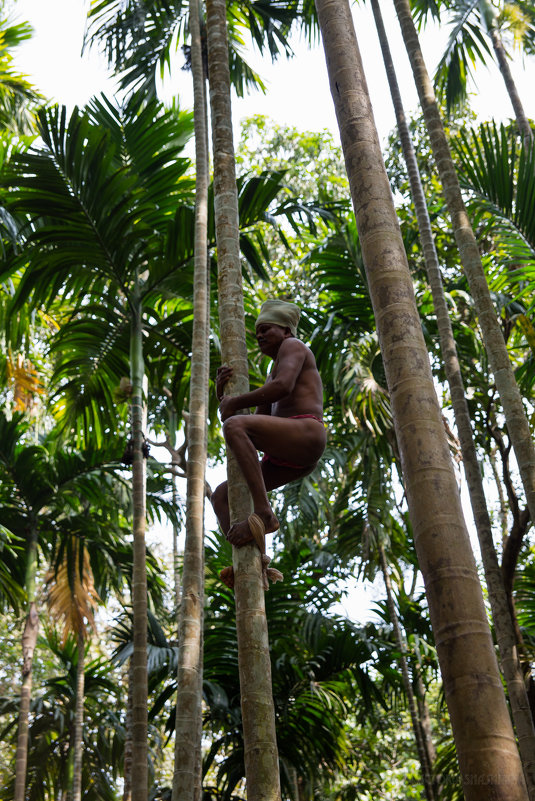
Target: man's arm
290 361
264 408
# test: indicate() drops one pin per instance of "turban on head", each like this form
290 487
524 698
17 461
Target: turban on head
280 312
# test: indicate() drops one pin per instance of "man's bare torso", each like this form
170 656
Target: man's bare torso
306 397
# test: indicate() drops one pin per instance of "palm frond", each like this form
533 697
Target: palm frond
497 171
467 44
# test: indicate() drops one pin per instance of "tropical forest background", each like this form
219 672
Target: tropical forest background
97 243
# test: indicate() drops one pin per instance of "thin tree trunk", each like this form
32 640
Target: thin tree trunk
29 641
520 115
79 720
486 748
425 723
513 408
498 599
139 580
502 505
127 755
188 736
426 766
175 465
260 745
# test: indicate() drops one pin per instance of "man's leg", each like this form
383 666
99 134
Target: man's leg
219 501
274 477
237 439
298 441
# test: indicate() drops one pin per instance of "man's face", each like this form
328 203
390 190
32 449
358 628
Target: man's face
269 337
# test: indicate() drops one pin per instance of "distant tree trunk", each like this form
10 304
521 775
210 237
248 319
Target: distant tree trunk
188 736
499 604
29 641
484 738
260 745
78 740
503 64
127 756
425 764
173 426
139 580
425 723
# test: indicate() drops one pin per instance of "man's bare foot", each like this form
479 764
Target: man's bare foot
253 530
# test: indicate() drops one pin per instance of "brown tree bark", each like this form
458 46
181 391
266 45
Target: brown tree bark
425 764
487 753
188 730
500 606
258 715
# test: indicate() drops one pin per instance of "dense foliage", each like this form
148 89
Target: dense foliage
97 231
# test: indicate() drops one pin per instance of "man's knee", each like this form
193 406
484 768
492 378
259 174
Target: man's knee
234 427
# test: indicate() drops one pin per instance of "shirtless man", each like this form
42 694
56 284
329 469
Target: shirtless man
287 425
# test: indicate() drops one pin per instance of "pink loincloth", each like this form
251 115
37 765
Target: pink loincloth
281 462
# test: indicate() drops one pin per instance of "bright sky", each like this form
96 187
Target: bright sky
298 91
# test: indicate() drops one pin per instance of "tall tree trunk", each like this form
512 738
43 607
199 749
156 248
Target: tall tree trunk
260 745
423 756
78 740
425 723
498 599
486 748
517 422
29 641
488 13
175 466
139 774
127 755
188 737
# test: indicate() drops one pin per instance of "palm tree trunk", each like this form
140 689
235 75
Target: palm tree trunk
79 720
175 466
260 745
486 748
520 115
139 775
29 640
187 770
498 599
127 755
425 725
517 422
425 764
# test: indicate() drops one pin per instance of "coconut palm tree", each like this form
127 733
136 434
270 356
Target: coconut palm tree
513 408
261 756
441 539
500 610
105 238
187 778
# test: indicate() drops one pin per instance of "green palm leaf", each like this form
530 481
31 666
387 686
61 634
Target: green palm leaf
498 172
467 44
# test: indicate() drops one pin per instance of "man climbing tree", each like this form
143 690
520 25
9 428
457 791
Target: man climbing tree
287 426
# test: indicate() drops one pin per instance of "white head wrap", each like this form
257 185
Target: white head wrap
280 312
